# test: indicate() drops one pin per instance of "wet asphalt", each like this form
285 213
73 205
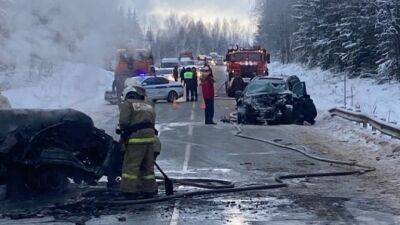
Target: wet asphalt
194 150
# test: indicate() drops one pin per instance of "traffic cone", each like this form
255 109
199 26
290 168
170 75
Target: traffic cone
175 105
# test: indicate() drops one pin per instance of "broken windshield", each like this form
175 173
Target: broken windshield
267 86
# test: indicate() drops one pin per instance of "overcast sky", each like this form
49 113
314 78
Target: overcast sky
207 10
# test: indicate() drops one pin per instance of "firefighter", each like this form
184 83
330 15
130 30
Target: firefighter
137 119
236 84
157 147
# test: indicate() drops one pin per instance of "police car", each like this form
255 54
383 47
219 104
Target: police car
157 88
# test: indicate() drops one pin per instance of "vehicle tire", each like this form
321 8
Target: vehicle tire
53 181
16 182
288 116
172 96
241 116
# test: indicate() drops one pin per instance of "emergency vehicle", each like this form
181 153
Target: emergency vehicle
247 63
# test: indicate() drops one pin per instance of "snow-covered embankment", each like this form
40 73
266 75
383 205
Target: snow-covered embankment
73 85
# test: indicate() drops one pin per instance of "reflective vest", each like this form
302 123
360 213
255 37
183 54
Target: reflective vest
188 75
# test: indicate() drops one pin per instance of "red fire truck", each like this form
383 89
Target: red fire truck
247 63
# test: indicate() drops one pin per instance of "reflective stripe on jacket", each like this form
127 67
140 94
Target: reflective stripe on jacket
142 140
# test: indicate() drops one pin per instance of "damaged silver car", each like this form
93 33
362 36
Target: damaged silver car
275 100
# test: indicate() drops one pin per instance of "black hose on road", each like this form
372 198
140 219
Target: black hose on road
228 187
317 158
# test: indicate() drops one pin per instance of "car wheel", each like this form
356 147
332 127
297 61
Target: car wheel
241 116
288 116
54 181
172 96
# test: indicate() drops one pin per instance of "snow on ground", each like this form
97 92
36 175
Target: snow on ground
73 85
349 139
326 89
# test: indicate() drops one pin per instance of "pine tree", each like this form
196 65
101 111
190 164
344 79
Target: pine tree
388 24
276 27
306 35
357 34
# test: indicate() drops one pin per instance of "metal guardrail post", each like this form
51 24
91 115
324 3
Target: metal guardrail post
376 124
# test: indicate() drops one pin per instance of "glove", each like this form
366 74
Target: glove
156 154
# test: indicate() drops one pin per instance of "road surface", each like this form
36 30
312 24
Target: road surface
192 149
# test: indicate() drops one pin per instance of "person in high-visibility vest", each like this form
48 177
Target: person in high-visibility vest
189 77
136 121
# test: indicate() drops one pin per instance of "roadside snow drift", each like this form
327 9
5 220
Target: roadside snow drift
71 86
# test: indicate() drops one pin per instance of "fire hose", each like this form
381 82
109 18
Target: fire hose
228 187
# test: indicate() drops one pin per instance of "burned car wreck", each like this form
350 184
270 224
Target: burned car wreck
275 100
42 149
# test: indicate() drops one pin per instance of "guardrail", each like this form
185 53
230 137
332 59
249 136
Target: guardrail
386 128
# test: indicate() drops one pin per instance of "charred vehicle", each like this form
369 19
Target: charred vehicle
42 149
275 100
246 64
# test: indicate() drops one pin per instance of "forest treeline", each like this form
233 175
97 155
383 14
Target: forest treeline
361 37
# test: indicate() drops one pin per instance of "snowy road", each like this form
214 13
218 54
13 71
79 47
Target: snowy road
192 149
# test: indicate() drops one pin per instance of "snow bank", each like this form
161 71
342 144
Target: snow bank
327 90
71 86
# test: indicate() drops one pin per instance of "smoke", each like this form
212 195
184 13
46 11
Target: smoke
86 31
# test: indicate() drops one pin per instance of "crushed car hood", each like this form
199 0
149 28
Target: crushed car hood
32 121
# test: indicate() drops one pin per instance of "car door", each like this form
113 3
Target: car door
162 87
150 85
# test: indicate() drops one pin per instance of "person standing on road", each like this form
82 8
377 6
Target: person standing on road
195 85
137 121
188 77
236 84
175 73
207 86
183 70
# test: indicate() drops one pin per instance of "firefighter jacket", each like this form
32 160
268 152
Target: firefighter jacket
136 112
